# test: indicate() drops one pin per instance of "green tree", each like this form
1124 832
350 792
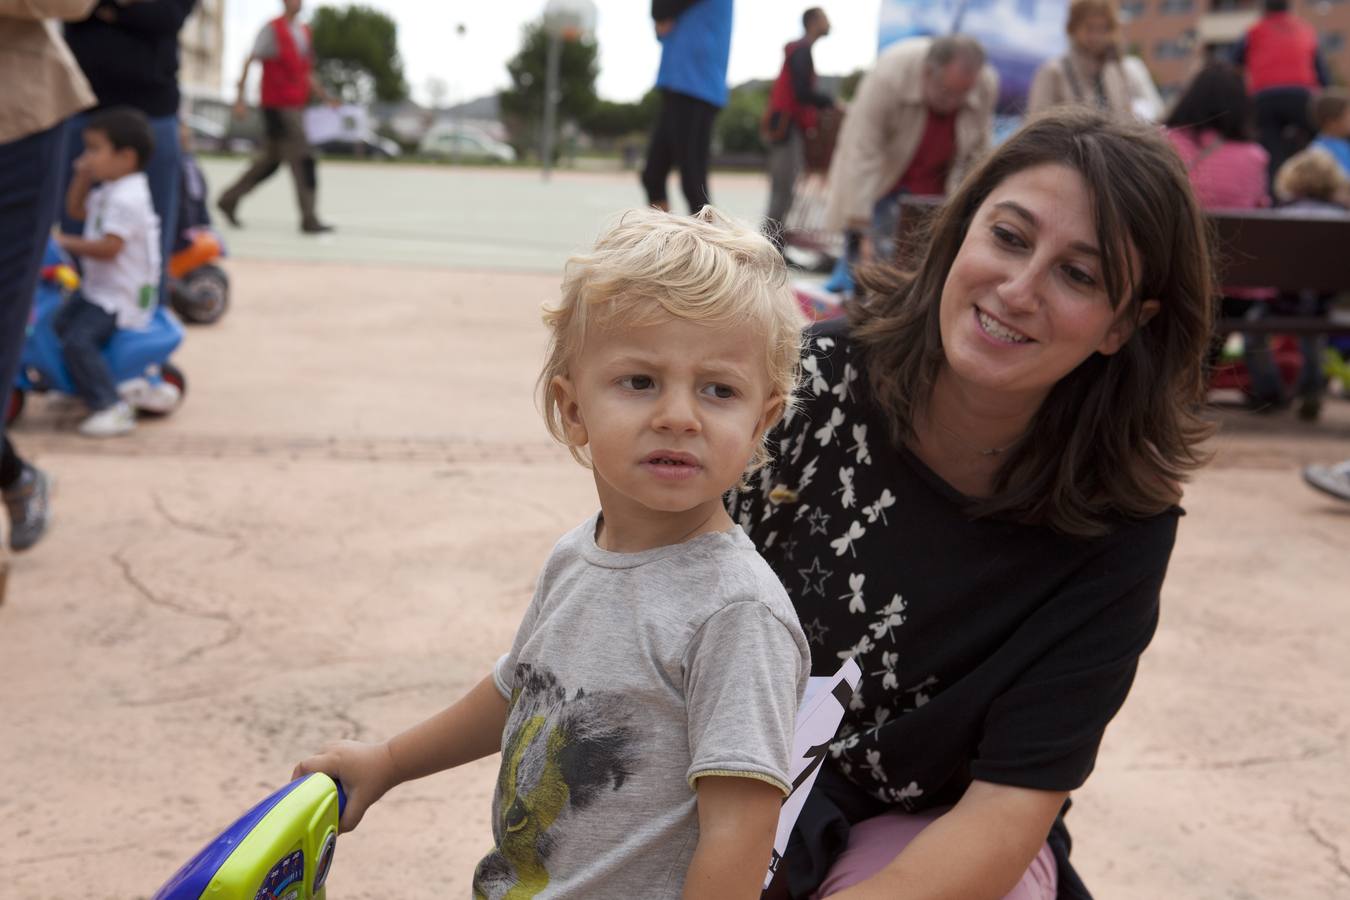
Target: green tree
357 52
522 104
608 119
738 122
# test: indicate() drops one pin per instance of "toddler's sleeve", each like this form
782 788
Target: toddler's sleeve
745 672
123 216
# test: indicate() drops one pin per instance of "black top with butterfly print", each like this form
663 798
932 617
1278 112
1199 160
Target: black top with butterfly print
991 650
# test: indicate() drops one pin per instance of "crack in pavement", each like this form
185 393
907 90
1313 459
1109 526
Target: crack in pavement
198 528
377 449
1330 846
232 631
1245 763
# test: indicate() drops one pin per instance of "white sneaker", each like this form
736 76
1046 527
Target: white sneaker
116 419
160 397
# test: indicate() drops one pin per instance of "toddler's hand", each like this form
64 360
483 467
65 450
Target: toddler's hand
365 770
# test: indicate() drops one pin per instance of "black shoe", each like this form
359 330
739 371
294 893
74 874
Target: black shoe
1309 409
27 504
316 228
227 210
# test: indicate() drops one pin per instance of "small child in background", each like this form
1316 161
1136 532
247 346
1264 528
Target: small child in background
1331 114
120 258
646 709
1311 183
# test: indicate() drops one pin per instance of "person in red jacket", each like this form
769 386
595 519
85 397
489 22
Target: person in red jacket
286 50
790 117
1284 68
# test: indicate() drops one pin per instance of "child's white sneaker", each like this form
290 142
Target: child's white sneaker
160 398
116 419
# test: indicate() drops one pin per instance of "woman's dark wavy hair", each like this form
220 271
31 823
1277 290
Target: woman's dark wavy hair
1216 98
1116 436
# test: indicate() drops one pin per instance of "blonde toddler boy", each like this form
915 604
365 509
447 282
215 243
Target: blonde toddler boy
645 710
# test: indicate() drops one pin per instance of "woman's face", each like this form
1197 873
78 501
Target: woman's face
1024 302
1094 36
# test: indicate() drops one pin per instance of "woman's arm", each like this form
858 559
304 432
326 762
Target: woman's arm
980 849
737 819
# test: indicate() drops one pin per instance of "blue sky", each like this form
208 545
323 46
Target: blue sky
476 64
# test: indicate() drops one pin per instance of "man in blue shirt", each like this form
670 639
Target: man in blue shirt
695 40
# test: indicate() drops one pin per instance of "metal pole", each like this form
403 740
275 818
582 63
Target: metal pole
550 102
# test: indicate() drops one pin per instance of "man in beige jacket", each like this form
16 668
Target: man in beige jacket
921 119
42 87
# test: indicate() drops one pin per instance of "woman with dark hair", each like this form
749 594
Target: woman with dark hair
977 501
1211 129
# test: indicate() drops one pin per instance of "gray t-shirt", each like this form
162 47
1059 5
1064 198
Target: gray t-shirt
632 675
265 47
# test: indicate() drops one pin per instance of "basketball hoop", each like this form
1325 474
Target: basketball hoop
569 20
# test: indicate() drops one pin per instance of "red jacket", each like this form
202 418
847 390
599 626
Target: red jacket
1281 52
784 104
285 81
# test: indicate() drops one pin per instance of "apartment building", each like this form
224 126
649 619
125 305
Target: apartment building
202 50
1175 36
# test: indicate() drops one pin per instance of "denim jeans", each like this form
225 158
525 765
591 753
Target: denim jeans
164 173
29 180
84 329
885 221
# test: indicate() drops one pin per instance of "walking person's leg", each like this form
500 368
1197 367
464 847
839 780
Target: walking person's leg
786 159
30 178
264 165
295 151
694 150
660 155
164 173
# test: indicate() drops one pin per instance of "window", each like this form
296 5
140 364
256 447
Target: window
1132 9
1176 7
1170 50
1332 42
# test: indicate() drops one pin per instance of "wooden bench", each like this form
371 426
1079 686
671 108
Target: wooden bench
1256 248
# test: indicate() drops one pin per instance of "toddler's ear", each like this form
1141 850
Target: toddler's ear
773 411
569 410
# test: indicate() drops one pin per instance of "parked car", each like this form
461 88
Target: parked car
369 147
470 146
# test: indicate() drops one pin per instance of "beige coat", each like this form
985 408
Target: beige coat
884 125
40 83
1061 81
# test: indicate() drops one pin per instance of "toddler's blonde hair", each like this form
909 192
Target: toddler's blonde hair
705 268
1311 174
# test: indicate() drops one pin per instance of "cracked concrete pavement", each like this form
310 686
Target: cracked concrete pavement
337 533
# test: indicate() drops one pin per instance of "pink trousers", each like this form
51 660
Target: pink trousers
873 843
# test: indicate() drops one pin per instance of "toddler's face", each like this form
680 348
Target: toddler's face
102 160
672 412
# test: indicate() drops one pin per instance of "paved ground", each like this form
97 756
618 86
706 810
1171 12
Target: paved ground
337 532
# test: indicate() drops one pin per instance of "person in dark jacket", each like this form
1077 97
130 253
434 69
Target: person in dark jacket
128 50
790 117
695 40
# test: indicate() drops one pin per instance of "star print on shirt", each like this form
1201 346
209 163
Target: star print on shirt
815 631
814 578
818 518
